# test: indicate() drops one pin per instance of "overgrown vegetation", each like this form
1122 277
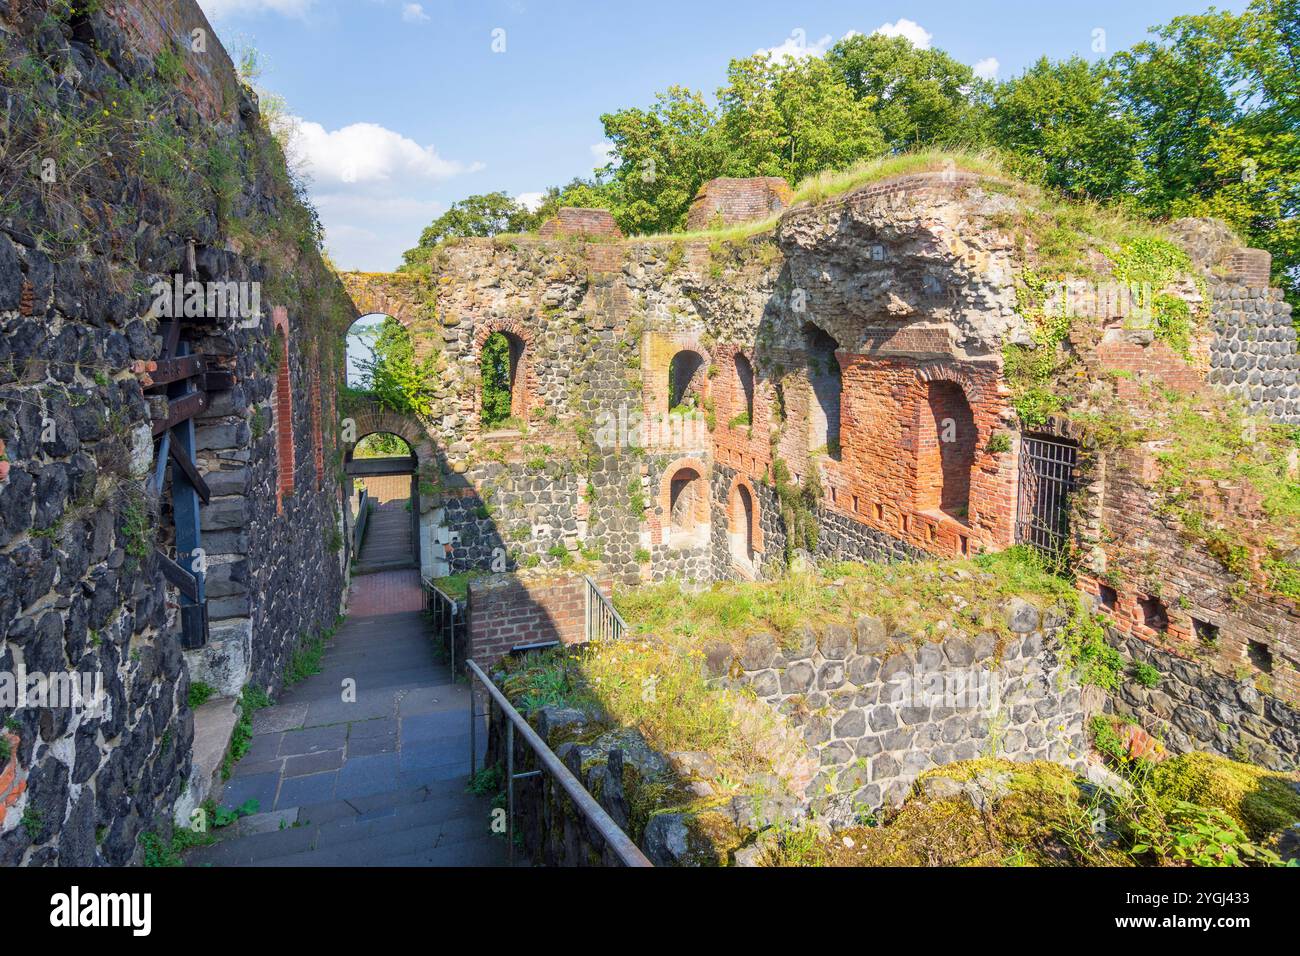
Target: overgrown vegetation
1043 814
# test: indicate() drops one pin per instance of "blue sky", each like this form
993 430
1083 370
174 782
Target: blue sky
405 107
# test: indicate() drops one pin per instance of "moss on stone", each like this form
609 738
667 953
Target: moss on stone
1262 801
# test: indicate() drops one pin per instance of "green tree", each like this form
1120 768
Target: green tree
792 118
394 376
1251 163
1178 94
1066 120
662 156
918 97
488 214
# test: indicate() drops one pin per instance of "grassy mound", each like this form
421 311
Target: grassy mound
1262 801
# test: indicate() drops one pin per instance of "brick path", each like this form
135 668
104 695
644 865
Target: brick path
386 592
375 782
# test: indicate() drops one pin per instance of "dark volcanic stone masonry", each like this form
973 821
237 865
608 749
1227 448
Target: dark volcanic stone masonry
80 592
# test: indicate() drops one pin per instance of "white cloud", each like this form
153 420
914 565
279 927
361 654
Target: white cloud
796 46
910 30
987 68
367 153
414 13
219 9
530 201
372 186
603 152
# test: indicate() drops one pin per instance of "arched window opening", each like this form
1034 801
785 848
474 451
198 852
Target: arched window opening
685 379
382 363
745 377
500 364
825 382
947 451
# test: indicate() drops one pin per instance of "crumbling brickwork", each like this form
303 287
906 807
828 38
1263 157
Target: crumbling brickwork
728 202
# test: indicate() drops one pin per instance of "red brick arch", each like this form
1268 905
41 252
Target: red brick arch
661 519
370 418
524 391
382 295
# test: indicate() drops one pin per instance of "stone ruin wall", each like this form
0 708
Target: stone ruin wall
79 590
912 279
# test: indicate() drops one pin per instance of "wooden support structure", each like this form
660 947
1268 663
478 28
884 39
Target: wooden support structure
182 380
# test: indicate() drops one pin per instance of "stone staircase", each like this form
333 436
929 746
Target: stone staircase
387 545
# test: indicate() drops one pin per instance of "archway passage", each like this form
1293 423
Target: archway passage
946 452
383 499
684 371
824 380
743 531
503 395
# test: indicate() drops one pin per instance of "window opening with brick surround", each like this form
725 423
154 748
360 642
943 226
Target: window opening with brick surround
684 374
745 377
502 358
825 382
945 451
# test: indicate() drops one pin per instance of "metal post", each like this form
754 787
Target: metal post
510 789
473 748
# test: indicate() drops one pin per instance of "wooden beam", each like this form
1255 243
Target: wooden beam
170 370
183 462
179 410
177 576
375 467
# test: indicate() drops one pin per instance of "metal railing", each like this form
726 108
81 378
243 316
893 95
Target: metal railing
359 529
627 851
603 623
447 617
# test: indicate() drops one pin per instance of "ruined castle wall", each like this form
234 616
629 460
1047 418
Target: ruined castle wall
1192 706
876 716
1253 353
80 591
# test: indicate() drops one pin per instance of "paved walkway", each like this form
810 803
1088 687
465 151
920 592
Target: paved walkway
377 782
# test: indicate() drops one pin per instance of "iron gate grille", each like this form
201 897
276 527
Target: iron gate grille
1046 480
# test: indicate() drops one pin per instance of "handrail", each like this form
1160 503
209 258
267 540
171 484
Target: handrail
446 610
627 851
359 529
603 622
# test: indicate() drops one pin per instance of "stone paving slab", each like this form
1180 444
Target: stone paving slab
379 781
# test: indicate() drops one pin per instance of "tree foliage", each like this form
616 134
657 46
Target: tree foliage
394 376
1203 118
488 214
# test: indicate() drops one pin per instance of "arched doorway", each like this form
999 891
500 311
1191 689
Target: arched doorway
383 499
685 505
382 363
743 529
